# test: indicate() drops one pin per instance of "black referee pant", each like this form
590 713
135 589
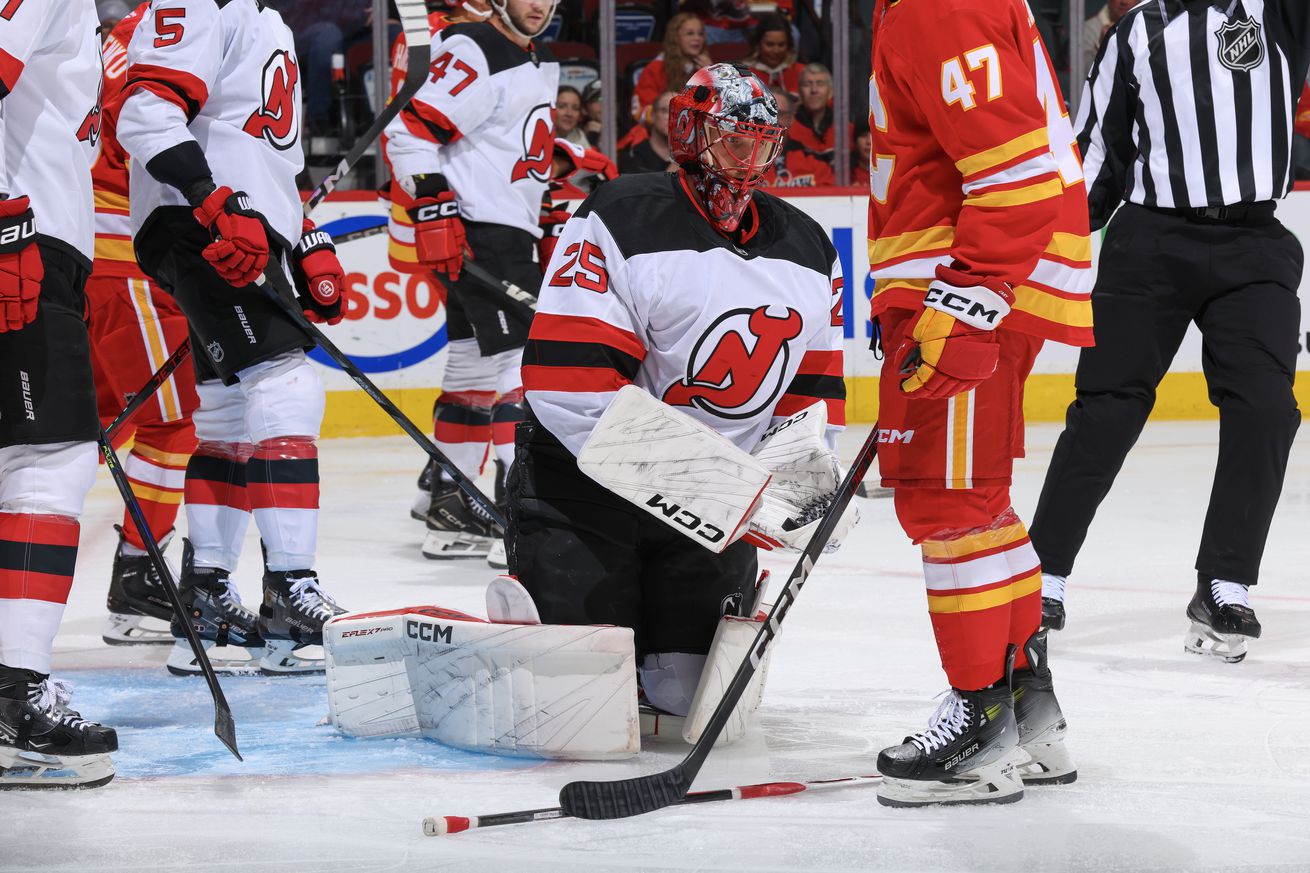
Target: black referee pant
1237 279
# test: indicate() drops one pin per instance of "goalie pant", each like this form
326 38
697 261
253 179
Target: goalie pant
588 556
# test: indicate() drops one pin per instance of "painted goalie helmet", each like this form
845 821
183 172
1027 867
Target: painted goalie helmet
724 133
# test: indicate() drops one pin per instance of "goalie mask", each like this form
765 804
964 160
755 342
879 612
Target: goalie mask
724 133
510 20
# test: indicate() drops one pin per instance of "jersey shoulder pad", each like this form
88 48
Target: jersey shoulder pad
793 235
499 52
638 209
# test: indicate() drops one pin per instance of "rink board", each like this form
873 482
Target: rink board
395 326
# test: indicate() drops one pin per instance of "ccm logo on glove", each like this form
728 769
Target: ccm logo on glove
978 306
434 211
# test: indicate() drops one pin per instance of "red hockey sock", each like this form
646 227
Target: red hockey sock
37 556
283 477
157 469
463 428
217 505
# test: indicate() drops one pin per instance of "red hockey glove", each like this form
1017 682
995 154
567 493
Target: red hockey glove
239 251
553 218
954 346
438 231
21 269
319 276
579 159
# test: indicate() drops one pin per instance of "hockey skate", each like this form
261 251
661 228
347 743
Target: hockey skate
291 620
139 609
419 511
1052 602
969 754
43 743
229 630
457 527
1222 621
1041 723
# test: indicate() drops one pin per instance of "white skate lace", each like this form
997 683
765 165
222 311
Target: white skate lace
1229 594
312 599
1053 587
947 723
52 697
231 599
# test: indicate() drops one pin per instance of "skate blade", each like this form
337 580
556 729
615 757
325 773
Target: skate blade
226 660
32 770
1203 640
998 782
443 545
123 629
1047 764
290 658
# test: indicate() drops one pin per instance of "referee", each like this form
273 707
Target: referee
1187 120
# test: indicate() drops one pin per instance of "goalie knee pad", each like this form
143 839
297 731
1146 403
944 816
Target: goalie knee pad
284 397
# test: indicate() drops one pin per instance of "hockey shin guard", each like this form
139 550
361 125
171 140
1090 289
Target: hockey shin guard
157 468
37 557
283 475
217 504
463 428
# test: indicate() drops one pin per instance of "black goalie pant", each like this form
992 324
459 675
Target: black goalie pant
1159 272
590 557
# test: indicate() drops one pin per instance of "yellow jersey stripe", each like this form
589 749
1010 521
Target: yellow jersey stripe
939 603
1003 153
1016 196
894 247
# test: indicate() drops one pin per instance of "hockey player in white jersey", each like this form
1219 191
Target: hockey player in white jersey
472 155
210 114
49 129
681 315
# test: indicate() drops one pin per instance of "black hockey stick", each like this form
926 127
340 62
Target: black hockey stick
418 39
641 794
153 384
225 727
278 289
437 826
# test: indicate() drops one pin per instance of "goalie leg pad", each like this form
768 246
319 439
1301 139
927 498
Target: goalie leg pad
732 640
551 691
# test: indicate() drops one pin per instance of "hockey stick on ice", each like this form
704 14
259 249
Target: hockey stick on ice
225 727
153 384
641 794
436 826
418 44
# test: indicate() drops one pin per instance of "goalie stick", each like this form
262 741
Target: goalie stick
418 44
225 727
436 826
641 794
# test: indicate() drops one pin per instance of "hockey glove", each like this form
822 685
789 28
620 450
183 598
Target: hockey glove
438 231
574 159
239 251
954 344
21 268
553 219
319 276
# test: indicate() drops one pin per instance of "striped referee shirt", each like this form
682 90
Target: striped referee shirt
1190 104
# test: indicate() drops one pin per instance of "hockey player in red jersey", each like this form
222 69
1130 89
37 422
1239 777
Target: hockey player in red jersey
472 155
49 131
681 316
210 114
135 326
978 240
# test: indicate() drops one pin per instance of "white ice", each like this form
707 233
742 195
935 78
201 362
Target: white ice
1185 763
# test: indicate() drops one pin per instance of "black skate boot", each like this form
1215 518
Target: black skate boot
292 616
457 527
1222 620
419 511
1052 602
1041 723
496 557
968 754
43 743
139 609
229 630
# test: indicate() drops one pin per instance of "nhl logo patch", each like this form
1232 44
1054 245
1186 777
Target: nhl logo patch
1241 48
215 352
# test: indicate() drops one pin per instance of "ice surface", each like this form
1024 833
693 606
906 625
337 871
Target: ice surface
1185 763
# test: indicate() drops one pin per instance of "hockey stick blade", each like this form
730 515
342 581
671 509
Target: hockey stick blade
148 390
642 794
414 22
276 287
437 826
225 727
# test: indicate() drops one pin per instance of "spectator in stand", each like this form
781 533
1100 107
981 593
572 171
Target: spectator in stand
1096 27
322 28
568 116
794 168
773 54
652 154
862 155
1301 137
811 132
591 108
684 53
725 20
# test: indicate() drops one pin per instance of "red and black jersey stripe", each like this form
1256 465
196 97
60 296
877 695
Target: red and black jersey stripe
430 123
573 353
819 378
178 87
37 557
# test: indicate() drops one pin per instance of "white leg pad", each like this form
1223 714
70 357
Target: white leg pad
551 691
510 603
732 640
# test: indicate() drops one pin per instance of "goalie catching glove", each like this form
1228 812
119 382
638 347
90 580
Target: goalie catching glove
953 347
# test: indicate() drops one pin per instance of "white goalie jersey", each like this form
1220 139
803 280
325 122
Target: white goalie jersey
224 75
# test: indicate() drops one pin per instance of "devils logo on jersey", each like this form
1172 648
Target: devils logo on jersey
737 367
538 146
89 131
275 120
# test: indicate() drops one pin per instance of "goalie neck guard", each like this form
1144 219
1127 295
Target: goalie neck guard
724 133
